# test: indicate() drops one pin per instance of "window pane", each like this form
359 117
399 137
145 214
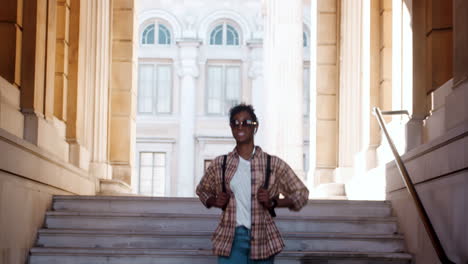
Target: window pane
232 37
145 87
148 35
214 93
164 87
216 36
146 159
160 159
146 179
164 35
159 181
232 86
306 103
304 37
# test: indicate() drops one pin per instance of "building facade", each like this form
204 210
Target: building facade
193 65
92 93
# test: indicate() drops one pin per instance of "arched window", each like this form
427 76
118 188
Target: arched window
224 34
162 35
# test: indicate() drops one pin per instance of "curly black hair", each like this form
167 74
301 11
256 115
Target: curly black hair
240 108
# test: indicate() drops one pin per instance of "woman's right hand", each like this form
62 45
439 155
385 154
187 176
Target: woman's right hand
219 201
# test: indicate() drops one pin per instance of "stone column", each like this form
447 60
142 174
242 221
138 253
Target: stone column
283 48
123 93
188 72
99 166
314 12
350 89
258 89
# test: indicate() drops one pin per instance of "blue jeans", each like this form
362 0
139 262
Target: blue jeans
240 252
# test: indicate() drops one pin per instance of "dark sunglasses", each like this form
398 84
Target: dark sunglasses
245 123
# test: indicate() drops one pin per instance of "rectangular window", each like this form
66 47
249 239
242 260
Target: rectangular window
306 80
223 88
152 178
155 89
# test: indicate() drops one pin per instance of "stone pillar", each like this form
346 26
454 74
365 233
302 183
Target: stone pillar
99 166
314 12
283 58
258 89
123 91
456 106
350 89
11 17
188 72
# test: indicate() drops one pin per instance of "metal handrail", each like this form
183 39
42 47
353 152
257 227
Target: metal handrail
410 186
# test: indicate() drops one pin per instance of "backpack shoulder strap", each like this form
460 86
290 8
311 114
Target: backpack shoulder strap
224 172
268 172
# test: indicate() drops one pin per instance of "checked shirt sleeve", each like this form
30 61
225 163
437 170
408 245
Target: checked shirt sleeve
292 187
206 187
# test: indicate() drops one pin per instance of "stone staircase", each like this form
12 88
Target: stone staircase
144 230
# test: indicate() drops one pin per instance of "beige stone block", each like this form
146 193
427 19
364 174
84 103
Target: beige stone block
386 95
326 107
60 93
439 14
120 140
386 64
440 49
63 21
11 119
122 50
8 51
386 29
385 4
460 52
120 77
61 57
121 103
327 79
123 4
123 26
326 54
326 29
12 11
327 143
326 5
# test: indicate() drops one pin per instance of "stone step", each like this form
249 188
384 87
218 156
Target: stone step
138 204
151 256
202 240
192 222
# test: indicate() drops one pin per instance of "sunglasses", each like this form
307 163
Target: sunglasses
245 123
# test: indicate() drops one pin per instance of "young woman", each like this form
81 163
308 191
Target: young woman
247 232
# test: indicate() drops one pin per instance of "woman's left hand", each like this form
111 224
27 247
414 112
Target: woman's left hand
264 198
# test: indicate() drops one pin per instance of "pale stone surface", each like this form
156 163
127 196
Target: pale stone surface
326 143
326 107
326 55
23 203
326 28
326 5
120 138
120 79
328 77
122 27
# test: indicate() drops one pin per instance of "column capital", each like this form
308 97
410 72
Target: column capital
193 43
188 57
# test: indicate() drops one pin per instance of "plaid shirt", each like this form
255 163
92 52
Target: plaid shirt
265 237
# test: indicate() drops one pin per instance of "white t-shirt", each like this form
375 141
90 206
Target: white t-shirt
242 189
